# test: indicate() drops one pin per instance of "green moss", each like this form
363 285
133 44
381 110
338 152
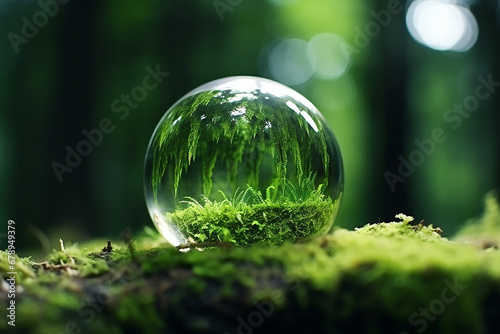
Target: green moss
484 231
86 266
375 279
22 265
402 229
247 218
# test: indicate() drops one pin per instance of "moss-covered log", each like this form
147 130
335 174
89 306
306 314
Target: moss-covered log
399 277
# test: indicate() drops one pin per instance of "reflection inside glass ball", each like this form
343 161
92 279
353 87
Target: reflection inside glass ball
242 160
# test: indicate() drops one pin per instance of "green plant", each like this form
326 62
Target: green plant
287 213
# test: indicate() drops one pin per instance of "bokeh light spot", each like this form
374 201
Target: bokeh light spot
288 62
328 56
442 25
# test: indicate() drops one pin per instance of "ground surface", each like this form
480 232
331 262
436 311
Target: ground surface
399 277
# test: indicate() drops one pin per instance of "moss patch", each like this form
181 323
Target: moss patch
295 213
396 277
483 232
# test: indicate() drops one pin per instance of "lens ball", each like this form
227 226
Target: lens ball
242 160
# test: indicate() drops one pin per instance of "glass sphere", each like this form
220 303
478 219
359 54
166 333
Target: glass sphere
242 160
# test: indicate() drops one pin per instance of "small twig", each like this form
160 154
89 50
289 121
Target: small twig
64 251
49 266
201 245
417 227
438 230
71 269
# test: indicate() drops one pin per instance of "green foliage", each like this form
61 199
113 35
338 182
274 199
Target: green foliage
202 128
288 213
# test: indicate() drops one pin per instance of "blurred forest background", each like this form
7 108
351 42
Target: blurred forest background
388 76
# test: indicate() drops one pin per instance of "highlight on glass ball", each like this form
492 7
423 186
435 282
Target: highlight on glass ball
240 161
